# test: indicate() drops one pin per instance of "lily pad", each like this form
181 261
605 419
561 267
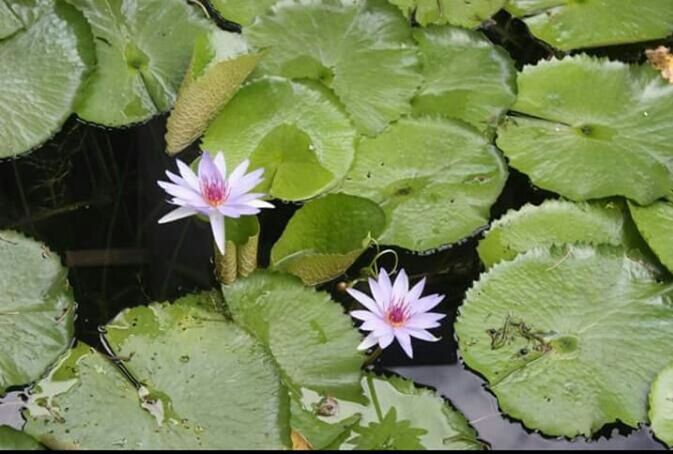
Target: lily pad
591 128
435 180
310 338
315 249
427 419
655 223
361 49
569 339
297 132
43 67
466 77
36 310
661 406
143 48
568 25
203 383
13 440
242 12
465 13
555 222
9 23
220 63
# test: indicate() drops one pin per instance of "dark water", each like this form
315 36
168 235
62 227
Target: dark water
90 194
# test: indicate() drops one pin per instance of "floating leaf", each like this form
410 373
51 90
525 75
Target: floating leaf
43 67
466 13
315 249
143 49
569 25
655 223
241 11
555 222
9 23
592 128
661 406
13 440
569 340
297 132
310 338
240 258
466 77
36 309
417 409
360 49
435 179
203 384
220 64
319 434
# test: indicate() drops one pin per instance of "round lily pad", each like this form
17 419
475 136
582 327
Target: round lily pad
555 222
190 380
361 49
143 48
36 309
43 67
655 223
591 128
569 339
465 76
296 132
465 13
241 11
661 406
310 338
569 25
435 179
13 440
326 236
399 415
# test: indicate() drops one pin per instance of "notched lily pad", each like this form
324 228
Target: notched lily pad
435 180
194 381
310 338
296 132
465 13
361 49
661 406
326 236
37 309
568 25
569 339
13 440
242 12
143 49
655 223
591 128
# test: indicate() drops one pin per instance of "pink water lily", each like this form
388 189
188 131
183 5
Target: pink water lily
396 312
212 194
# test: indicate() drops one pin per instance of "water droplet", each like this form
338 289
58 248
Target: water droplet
645 114
199 429
184 358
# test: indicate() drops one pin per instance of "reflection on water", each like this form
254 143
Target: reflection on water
467 393
10 410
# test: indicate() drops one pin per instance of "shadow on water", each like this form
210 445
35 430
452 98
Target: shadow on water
91 195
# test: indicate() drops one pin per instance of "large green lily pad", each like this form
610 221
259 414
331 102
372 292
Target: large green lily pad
326 236
296 132
573 24
435 180
422 419
361 49
591 128
555 222
466 77
143 48
9 22
661 406
310 338
655 223
37 309
465 13
205 384
569 340
242 11
43 67
13 440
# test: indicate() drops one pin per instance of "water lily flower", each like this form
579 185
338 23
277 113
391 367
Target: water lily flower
212 194
396 312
